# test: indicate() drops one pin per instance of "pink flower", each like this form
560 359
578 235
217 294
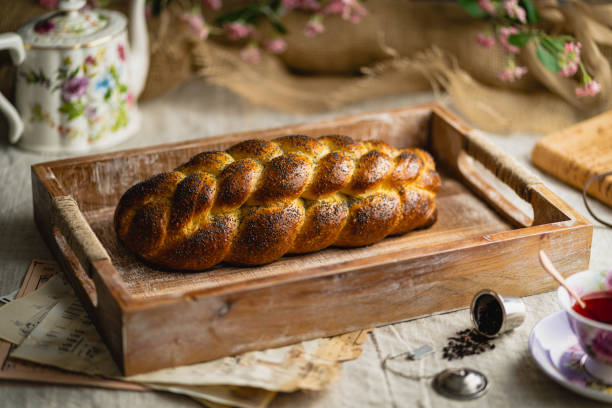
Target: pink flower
515 11
196 23
355 13
289 5
276 46
484 40
213 4
44 26
306 5
310 5
569 59
608 280
349 9
572 47
504 33
512 73
90 60
237 31
90 113
74 88
590 88
129 99
314 27
569 69
487 6
121 52
250 54
335 7
50 4
602 344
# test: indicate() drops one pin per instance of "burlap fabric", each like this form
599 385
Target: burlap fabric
401 46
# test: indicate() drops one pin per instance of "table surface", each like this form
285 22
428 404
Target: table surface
197 109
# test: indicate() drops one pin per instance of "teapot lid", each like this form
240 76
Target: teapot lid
72 27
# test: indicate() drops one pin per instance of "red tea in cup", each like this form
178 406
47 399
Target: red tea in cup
598 306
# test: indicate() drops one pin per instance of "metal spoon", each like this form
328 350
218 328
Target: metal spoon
550 268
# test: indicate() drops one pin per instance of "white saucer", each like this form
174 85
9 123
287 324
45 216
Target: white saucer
555 348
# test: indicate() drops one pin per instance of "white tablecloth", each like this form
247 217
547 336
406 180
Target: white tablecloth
196 110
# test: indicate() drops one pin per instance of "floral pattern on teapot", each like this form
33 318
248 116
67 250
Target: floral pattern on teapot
92 90
59 25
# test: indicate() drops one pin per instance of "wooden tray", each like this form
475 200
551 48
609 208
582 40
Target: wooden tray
485 236
579 152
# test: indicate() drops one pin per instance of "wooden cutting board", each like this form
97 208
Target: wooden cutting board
579 152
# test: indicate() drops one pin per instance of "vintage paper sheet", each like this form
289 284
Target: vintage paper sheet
4 299
310 365
17 369
222 395
66 338
38 274
19 317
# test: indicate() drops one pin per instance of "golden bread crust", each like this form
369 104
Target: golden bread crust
260 200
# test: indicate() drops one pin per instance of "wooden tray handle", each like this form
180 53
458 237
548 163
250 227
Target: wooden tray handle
527 185
496 195
468 152
76 239
505 167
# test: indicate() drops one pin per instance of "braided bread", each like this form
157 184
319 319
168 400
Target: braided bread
259 200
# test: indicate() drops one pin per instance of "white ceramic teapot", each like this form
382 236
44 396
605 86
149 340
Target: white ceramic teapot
78 78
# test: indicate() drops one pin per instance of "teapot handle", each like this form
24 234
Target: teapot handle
13 43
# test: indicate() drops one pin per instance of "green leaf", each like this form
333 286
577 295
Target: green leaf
558 42
158 6
121 120
241 14
547 59
73 73
279 27
519 39
471 7
122 88
249 14
108 94
72 109
79 109
61 73
531 11
229 17
37 114
274 19
113 72
66 108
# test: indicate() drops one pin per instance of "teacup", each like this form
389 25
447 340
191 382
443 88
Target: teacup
595 337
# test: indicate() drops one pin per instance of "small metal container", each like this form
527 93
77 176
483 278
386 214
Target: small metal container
493 314
461 383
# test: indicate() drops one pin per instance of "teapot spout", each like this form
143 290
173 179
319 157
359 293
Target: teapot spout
139 46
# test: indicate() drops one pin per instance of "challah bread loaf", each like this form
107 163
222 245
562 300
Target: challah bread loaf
261 199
